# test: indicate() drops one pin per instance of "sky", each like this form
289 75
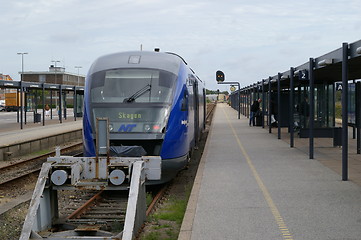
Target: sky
248 40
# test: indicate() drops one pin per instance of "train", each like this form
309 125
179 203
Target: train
155 105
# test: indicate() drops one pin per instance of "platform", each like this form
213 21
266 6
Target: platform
250 185
34 136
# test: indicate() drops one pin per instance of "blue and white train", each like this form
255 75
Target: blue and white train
155 105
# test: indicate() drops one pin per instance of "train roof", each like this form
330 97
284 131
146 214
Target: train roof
138 59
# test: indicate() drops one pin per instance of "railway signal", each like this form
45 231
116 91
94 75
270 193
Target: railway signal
220 76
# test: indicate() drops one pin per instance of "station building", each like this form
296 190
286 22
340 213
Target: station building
55 75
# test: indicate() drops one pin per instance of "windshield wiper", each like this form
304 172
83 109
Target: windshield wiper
137 94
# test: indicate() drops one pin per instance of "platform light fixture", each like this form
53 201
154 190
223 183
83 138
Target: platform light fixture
78 67
284 77
358 50
325 62
296 72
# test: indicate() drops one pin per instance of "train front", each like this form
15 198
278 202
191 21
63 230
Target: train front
136 92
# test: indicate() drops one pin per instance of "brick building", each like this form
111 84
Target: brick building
55 75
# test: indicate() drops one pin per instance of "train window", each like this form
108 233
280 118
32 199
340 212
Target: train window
133 85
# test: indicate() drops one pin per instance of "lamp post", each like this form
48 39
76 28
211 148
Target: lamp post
21 87
78 67
56 101
55 61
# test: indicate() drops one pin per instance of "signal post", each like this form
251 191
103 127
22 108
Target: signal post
220 80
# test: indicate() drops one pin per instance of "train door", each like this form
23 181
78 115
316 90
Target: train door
196 112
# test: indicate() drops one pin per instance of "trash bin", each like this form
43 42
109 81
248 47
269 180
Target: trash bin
259 119
337 136
37 117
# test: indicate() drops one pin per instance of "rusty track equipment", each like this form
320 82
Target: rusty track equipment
90 173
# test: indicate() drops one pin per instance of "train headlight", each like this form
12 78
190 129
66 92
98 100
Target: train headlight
117 177
111 127
59 177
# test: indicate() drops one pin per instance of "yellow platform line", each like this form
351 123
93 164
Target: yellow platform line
279 220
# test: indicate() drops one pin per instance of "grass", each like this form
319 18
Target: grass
174 211
152 236
148 199
165 223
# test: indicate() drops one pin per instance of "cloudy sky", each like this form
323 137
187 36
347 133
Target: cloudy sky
247 39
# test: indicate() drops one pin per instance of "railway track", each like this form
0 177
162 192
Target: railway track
98 210
33 165
210 108
91 211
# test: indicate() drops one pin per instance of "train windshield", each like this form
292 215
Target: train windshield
133 85
134 100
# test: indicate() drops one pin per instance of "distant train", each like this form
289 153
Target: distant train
155 105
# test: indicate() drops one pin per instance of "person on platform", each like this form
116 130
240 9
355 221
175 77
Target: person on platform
47 110
254 111
305 112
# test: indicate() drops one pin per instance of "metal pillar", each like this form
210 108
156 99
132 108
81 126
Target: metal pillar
60 103
292 122
269 105
354 125
239 102
247 102
358 115
75 107
242 103
344 112
36 104
25 107
257 90
51 104
65 115
279 104
17 110
263 103
312 108
43 95
21 102
250 99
